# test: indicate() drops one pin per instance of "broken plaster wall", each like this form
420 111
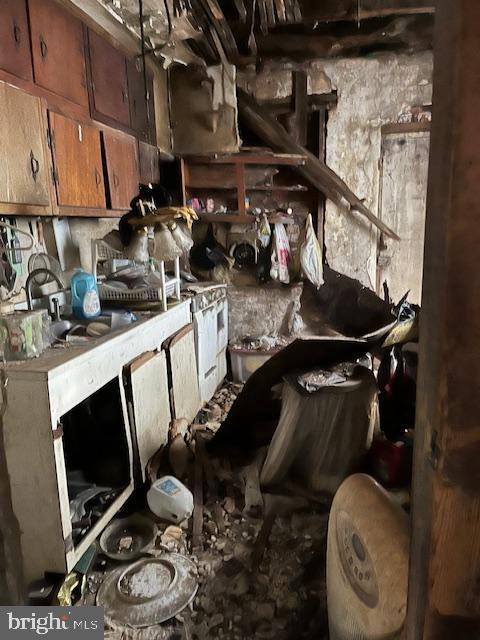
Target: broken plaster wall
372 92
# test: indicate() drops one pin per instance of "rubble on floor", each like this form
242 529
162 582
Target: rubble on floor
260 559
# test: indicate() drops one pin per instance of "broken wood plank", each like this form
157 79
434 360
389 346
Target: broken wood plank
300 83
335 10
319 175
316 102
197 526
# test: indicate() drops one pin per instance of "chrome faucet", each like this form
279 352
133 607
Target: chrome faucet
33 274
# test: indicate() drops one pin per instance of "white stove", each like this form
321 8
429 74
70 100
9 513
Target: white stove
210 318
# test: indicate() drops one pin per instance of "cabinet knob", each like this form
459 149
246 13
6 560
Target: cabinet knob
17 33
43 47
34 164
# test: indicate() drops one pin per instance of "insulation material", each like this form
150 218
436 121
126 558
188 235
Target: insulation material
321 437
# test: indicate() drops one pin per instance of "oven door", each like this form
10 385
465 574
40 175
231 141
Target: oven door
206 339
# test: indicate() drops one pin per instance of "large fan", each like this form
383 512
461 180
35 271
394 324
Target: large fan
367 562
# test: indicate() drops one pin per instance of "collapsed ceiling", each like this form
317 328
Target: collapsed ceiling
243 32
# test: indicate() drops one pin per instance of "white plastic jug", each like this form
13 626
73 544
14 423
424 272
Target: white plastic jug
170 500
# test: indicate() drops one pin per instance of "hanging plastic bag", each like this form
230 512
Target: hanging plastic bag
281 255
264 231
311 255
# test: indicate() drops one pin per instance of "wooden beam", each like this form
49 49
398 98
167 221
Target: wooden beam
314 170
444 597
316 102
300 95
336 10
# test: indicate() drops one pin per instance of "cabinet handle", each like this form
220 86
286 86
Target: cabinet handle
124 95
43 47
98 177
116 181
35 165
17 33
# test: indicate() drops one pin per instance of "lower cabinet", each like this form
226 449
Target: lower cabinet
67 431
78 163
24 168
149 407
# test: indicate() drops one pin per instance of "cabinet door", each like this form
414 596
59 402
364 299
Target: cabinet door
23 140
149 163
58 51
78 163
122 168
14 38
142 112
151 405
183 365
109 80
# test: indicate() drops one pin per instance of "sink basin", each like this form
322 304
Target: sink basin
59 328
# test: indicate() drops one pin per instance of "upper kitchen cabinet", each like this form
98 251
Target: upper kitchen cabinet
109 84
78 163
149 163
142 111
58 51
15 56
122 168
25 171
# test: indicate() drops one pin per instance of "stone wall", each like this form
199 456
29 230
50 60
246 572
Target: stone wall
371 92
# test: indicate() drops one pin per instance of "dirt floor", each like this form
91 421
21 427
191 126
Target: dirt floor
260 558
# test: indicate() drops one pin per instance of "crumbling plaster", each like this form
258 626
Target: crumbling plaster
372 92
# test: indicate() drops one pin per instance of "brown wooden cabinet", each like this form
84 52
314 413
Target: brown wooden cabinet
15 56
24 172
121 167
149 163
142 111
109 84
58 51
78 163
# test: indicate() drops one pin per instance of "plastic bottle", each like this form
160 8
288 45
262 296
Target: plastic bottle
85 300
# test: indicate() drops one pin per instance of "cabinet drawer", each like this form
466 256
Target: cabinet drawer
109 80
58 51
122 168
78 163
15 54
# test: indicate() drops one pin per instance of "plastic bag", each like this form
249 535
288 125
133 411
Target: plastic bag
281 255
311 255
264 231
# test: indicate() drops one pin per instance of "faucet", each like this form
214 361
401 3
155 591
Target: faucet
33 274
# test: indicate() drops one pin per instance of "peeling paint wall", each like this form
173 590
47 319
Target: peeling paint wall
371 92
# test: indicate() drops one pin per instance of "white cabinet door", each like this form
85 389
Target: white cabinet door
183 365
151 405
206 336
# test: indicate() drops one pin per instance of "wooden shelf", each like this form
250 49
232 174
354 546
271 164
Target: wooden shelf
298 189
83 212
235 218
289 159
232 218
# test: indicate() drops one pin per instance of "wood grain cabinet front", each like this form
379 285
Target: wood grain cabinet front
122 168
109 84
58 49
24 172
15 56
78 163
142 111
